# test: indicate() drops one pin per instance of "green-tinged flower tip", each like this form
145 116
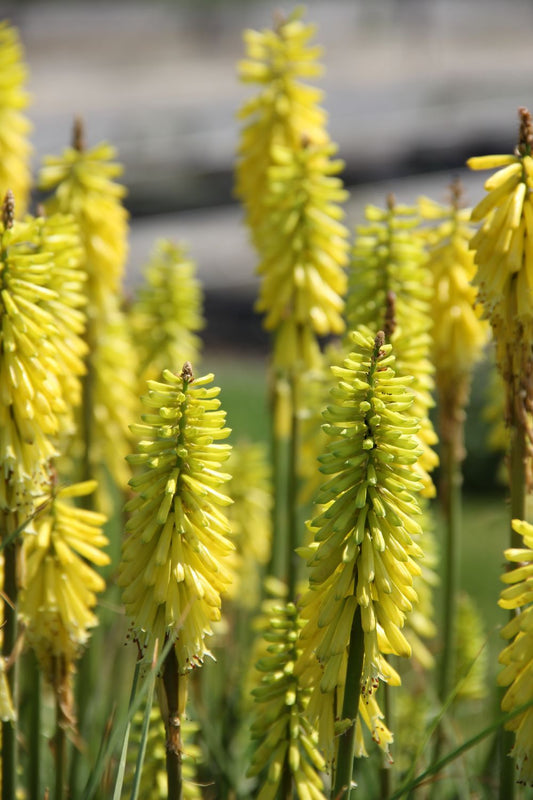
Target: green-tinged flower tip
58 599
175 557
363 553
517 656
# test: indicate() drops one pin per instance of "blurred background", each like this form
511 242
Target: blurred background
412 88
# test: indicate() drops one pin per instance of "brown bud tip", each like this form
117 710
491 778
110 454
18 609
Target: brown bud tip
78 134
379 341
305 141
525 133
390 314
8 209
279 19
456 190
391 201
186 372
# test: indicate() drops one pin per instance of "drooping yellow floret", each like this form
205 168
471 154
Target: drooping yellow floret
390 287
167 312
173 566
303 280
284 110
364 554
15 149
517 656
58 599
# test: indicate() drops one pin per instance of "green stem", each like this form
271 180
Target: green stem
292 492
171 678
385 772
9 729
35 735
277 565
60 752
350 709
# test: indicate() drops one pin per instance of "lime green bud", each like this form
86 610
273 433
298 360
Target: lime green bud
174 563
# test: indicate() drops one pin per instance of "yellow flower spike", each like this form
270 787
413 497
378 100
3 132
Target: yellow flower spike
15 149
390 286
167 312
305 250
459 334
250 519
517 656
504 258
175 556
284 110
58 599
471 660
287 750
83 185
40 352
363 545
114 361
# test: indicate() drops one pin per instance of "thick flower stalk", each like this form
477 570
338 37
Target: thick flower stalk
302 262
250 517
390 287
364 557
517 656
15 148
284 110
58 599
173 568
287 755
167 312
153 785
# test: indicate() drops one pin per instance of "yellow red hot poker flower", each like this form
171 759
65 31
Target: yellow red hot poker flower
364 556
173 567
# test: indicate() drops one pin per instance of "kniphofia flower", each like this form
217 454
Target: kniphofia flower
15 148
517 656
39 352
282 112
173 568
82 182
364 552
305 251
